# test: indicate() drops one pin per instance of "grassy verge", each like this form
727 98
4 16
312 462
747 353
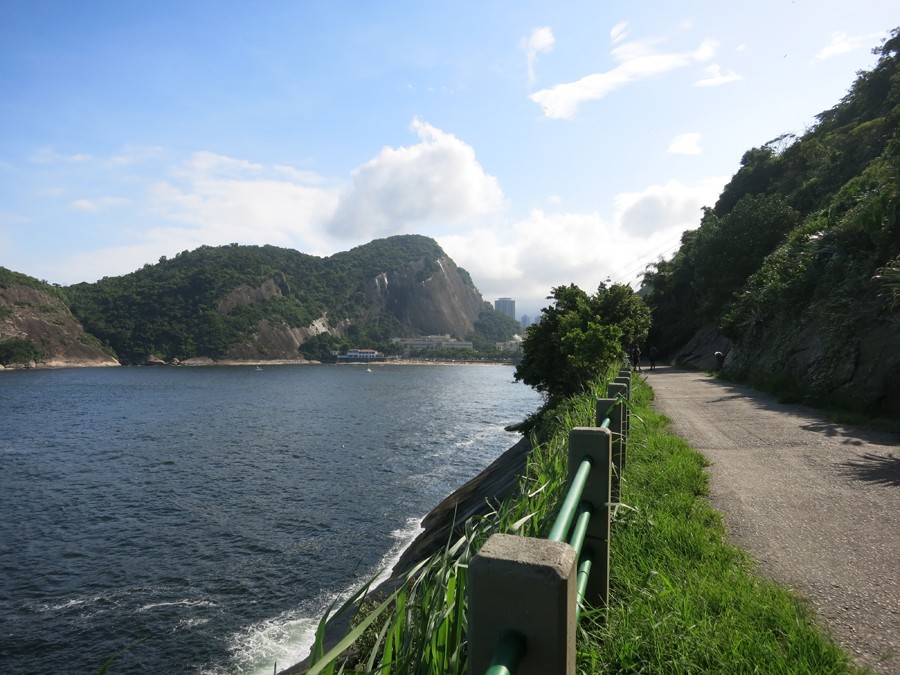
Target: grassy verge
682 599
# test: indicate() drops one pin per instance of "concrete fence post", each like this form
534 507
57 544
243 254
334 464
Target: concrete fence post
528 586
615 410
626 380
595 443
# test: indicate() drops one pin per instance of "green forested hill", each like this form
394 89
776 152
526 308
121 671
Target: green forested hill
794 265
209 301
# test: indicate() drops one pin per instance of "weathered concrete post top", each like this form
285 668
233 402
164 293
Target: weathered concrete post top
528 586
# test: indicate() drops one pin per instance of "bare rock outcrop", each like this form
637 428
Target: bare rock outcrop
45 320
433 301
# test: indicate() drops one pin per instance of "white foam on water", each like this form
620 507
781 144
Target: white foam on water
178 603
289 637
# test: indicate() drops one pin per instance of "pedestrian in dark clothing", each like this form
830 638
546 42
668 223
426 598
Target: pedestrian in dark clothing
636 357
654 352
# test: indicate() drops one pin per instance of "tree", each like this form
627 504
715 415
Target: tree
579 337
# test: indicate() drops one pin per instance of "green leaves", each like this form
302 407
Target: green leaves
580 337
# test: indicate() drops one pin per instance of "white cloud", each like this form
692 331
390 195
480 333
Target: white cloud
50 156
96 205
540 41
637 61
135 154
524 259
715 77
219 200
672 206
841 43
619 32
436 182
685 144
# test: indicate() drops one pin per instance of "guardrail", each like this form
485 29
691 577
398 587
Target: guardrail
525 594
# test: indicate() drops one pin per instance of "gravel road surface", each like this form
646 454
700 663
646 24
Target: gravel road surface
817 504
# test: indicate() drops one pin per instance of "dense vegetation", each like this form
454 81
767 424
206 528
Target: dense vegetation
806 234
580 336
20 350
179 307
10 278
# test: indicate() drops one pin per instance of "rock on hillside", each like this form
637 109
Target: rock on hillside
30 314
856 363
436 302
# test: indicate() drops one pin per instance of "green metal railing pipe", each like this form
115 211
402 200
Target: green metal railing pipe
567 510
584 573
585 561
509 654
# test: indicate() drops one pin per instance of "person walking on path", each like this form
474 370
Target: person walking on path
814 502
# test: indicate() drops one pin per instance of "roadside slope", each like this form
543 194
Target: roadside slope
815 503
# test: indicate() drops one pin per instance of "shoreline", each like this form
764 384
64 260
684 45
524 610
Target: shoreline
205 362
477 496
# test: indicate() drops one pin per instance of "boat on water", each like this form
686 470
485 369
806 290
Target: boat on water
360 356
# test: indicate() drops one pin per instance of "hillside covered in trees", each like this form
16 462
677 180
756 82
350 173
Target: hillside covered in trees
793 274
266 302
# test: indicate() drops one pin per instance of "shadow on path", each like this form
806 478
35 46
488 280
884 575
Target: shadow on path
811 419
874 469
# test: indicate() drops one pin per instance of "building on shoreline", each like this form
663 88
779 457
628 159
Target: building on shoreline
360 356
430 342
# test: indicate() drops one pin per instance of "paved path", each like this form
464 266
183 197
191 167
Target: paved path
815 503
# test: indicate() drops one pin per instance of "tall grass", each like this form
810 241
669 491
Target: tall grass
682 599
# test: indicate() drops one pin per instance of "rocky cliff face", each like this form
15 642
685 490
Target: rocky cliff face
30 314
435 301
425 298
854 364
279 342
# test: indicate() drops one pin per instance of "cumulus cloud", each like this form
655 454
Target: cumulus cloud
525 258
672 206
685 144
637 61
714 77
217 200
437 181
841 43
540 41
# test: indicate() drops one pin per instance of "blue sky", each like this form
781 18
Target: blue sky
539 143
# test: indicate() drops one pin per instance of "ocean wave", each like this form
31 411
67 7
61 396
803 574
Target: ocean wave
289 637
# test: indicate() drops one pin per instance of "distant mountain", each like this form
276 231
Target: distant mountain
793 275
264 302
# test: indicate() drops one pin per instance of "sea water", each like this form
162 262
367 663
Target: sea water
200 520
